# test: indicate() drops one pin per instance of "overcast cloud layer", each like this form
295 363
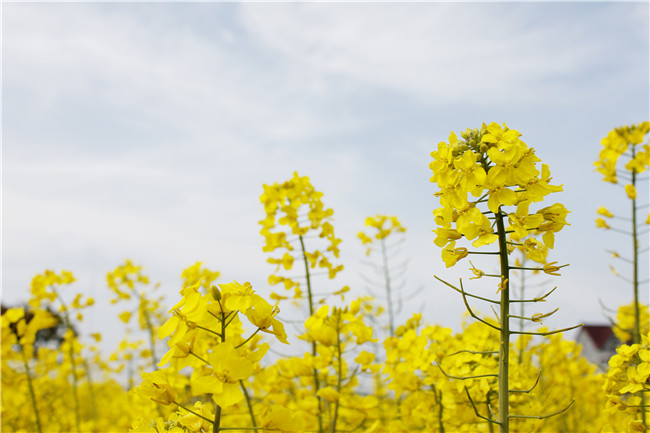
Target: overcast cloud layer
146 131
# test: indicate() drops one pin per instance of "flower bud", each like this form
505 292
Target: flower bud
216 294
604 212
602 224
631 191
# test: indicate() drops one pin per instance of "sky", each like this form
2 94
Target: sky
146 131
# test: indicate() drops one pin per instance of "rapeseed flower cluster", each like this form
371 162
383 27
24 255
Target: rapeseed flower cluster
294 211
382 228
619 141
51 380
128 282
625 322
627 381
207 335
336 403
492 165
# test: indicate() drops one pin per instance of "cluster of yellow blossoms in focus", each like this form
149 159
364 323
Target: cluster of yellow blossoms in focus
493 165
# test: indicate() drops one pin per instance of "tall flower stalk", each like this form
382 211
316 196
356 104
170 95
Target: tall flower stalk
381 228
126 281
295 212
17 329
627 143
492 168
44 291
339 331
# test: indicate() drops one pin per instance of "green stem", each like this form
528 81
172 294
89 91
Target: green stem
307 276
438 399
130 372
217 411
339 370
199 358
217 420
487 406
635 251
192 412
231 319
521 307
379 387
313 344
504 347
242 428
637 307
248 403
217 317
248 339
91 389
208 330
147 320
391 320
31 389
152 342
75 385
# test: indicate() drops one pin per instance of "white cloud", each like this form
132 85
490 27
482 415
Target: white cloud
136 67
439 52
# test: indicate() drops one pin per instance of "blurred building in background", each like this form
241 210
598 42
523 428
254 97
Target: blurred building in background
598 344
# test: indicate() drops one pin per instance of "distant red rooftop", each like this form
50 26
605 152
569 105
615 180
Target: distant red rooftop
599 334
